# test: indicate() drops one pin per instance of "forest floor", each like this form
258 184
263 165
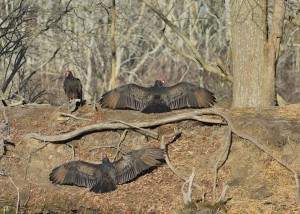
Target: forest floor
257 183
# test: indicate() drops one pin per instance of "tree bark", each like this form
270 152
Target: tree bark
113 46
255 52
89 75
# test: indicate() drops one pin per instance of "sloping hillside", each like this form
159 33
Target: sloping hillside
257 183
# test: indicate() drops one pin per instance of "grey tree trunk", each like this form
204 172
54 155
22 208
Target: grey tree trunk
113 46
254 52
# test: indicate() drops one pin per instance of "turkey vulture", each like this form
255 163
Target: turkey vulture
104 177
73 90
158 98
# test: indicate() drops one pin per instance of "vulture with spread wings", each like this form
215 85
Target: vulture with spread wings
104 177
158 98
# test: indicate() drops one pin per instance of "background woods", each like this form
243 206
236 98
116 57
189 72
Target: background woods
40 40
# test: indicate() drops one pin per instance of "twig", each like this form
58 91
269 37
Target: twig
73 150
18 103
28 198
119 144
18 192
3 174
5 117
223 156
2 148
222 196
118 147
144 131
101 147
38 149
37 104
187 196
74 117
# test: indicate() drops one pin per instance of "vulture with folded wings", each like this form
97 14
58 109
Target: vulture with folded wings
73 90
158 98
104 177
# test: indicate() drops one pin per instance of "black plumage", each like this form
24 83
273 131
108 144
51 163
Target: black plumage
72 87
158 98
105 176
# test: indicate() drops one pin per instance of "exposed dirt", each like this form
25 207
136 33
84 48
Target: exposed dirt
257 184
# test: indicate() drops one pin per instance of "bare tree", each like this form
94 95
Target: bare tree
19 30
76 35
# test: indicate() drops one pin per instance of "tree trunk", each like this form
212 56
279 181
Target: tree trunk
113 46
254 52
89 75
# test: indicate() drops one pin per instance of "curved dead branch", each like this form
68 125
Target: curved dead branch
114 125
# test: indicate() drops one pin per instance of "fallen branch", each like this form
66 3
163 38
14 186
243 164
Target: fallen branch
117 125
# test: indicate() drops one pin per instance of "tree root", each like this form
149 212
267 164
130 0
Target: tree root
221 161
262 148
114 125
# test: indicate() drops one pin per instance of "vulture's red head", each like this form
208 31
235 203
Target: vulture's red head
159 81
68 73
105 159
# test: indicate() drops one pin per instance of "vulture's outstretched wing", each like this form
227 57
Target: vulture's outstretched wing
185 94
78 173
98 177
135 162
127 96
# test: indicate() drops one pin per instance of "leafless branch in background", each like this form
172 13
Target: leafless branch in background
38 44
